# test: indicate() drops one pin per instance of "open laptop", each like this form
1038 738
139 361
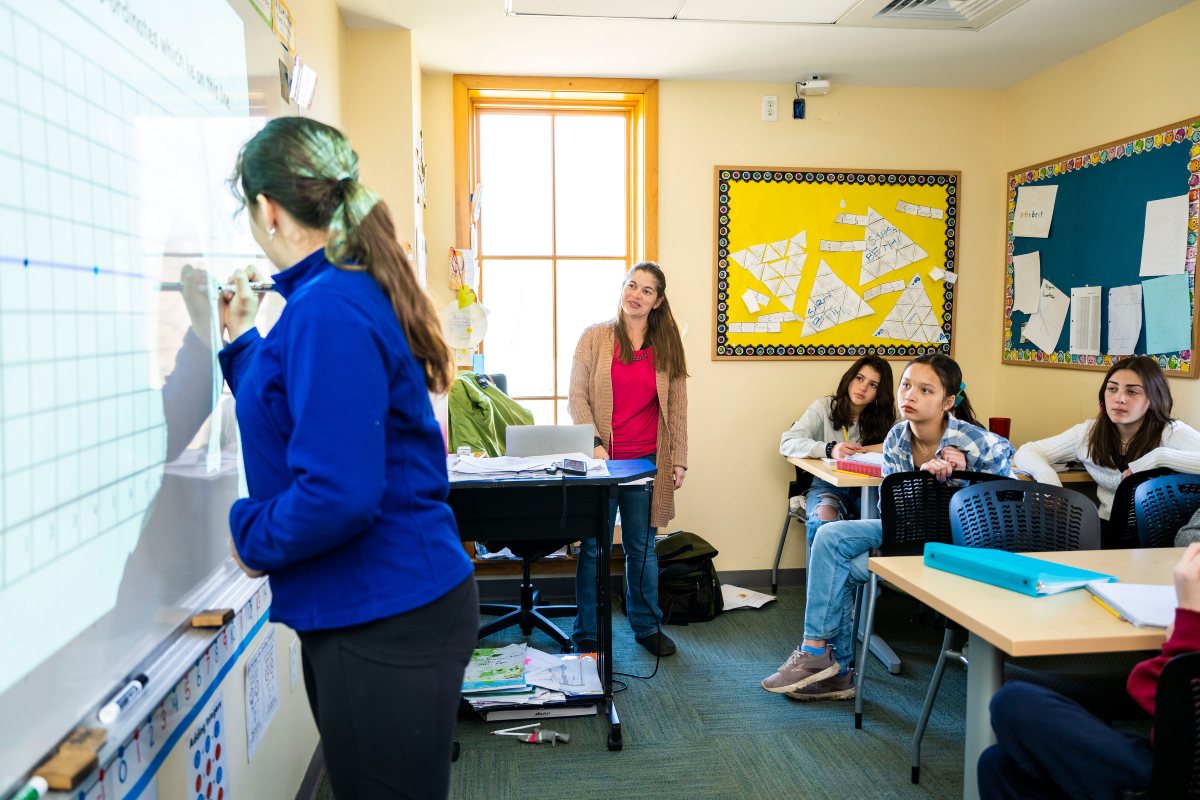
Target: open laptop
546 440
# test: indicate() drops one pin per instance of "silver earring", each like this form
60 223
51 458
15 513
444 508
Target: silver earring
271 234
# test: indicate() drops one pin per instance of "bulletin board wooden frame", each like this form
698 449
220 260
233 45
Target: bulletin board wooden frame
913 232
1118 224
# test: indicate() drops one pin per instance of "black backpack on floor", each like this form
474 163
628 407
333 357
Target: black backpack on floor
688 587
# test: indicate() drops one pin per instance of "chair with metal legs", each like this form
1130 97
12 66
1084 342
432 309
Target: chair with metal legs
795 511
1017 516
915 509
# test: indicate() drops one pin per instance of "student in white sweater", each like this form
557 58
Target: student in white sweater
854 419
1133 432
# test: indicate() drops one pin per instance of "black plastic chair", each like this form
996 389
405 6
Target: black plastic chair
796 488
1163 505
1176 771
914 509
1017 516
529 613
1120 532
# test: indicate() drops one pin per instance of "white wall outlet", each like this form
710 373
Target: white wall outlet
770 107
294 652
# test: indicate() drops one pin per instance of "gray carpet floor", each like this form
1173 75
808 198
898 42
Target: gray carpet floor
704 728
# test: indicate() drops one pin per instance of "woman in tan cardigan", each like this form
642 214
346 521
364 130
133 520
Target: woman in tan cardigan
628 381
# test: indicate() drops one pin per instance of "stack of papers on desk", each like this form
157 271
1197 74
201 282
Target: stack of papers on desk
513 465
553 686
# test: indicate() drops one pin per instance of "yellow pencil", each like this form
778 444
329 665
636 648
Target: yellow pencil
845 435
1109 608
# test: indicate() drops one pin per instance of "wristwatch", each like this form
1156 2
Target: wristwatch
829 449
598 441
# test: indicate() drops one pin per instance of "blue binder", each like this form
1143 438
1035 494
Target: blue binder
1032 576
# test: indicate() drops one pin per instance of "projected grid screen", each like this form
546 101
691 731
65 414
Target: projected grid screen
120 122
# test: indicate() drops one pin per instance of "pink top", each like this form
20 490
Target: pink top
635 405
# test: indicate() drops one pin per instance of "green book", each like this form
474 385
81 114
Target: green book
493 669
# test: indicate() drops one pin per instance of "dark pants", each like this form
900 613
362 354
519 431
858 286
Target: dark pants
1051 747
385 697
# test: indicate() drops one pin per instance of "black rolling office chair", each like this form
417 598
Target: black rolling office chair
1121 530
1017 516
1163 505
915 509
795 511
529 612
1176 732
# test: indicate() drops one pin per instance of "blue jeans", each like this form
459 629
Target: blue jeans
1048 746
843 500
641 567
837 562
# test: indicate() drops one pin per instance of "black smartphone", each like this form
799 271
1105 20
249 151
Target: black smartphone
571 466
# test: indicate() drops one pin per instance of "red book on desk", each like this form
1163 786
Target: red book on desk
864 464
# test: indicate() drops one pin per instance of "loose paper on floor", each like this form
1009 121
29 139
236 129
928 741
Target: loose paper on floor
1124 319
1035 209
1045 325
737 597
1164 242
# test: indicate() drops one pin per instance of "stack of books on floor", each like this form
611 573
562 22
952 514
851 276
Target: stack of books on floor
522 682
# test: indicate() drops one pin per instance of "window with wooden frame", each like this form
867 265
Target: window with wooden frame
567 171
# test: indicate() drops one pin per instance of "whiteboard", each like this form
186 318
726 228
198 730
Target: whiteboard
121 120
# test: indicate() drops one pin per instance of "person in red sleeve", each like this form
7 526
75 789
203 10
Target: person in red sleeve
1048 746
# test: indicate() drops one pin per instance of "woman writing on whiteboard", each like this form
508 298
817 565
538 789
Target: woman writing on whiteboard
346 465
1132 432
629 381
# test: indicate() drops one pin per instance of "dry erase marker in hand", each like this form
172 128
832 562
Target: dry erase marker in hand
36 787
114 707
176 286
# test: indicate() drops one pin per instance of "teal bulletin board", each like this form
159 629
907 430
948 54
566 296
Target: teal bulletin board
1098 230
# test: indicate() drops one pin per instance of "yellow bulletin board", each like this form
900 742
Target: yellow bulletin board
834 264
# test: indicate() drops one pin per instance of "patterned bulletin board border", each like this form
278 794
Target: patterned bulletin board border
834 264
1096 235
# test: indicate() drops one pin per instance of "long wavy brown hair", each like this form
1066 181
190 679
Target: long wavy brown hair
662 333
309 169
1104 442
877 418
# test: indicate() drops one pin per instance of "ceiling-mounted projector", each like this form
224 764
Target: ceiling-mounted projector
812 87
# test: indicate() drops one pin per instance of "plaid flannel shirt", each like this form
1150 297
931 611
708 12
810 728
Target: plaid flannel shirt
984 450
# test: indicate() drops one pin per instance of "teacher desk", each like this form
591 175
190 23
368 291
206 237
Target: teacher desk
545 506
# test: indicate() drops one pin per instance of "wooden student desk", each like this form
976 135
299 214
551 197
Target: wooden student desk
818 468
553 507
1002 623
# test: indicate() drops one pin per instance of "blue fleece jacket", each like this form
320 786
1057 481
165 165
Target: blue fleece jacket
345 462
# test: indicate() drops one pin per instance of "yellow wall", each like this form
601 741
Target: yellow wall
380 113
1142 80
734 494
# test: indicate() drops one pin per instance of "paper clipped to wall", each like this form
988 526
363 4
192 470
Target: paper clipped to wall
1027 280
1085 320
1045 325
1124 319
1035 209
1164 240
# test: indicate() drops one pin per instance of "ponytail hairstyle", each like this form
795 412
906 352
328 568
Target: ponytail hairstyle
309 169
950 373
1104 442
661 331
877 418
